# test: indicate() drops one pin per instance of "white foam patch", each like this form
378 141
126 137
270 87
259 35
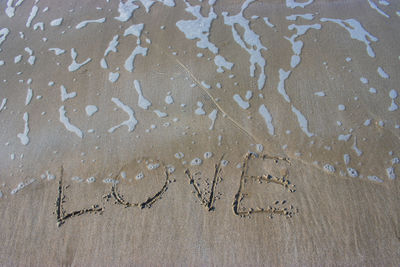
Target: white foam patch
112 47
393 96
129 62
393 106
264 112
136 30
21 186
283 75
260 147
219 140
17 59
249 95
293 4
346 159
23 137
38 25
84 23
32 15
196 162
294 61
50 176
3 34
160 114
139 176
269 24
70 127
10 10
294 17
29 95
207 155
329 168
302 122
90 110
169 100
179 155
126 10
319 94
32 58
344 137
356 32
382 73
212 116
364 80
65 95
74 65
224 163
355 148
250 42
148 3
3 104
243 104
374 178
110 181
199 110
221 62
142 101
153 166
384 2
103 63
171 3
390 173
204 84
57 51
77 179
375 7
352 172
56 22
90 180
298 45
131 122
113 76
198 28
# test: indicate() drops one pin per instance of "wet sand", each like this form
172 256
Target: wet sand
156 144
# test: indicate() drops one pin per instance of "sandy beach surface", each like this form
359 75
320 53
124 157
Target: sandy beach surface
199 133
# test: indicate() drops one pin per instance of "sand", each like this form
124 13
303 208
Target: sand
199 133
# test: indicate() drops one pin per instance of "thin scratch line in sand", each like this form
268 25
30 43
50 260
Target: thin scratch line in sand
242 128
249 134
216 104
231 119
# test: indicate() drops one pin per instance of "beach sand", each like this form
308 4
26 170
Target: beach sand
236 133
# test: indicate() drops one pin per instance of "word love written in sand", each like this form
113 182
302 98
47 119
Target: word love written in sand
207 197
